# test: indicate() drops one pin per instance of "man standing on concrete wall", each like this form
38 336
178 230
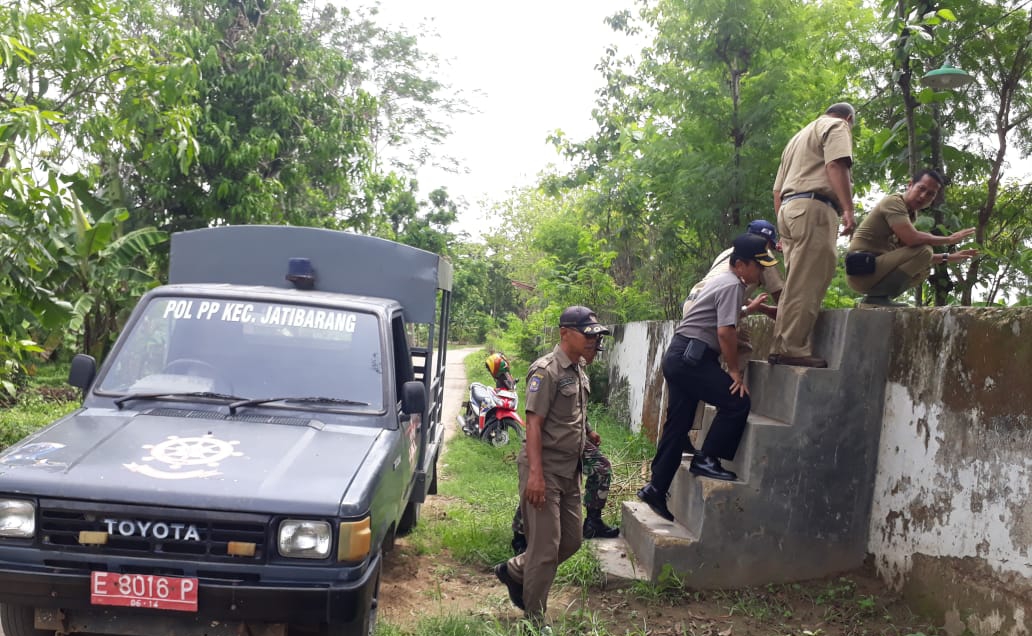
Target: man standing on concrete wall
549 462
889 255
813 184
691 367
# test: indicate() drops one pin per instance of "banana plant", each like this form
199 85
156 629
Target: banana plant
101 270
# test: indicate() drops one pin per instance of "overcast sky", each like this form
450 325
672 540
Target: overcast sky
528 68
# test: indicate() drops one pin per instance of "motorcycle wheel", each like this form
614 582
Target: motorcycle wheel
515 430
505 430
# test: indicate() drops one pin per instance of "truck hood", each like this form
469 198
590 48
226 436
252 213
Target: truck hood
193 460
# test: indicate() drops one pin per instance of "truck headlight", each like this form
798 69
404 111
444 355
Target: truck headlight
17 518
304 539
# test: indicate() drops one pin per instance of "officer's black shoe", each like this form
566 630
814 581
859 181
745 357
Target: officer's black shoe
707 466
595 528
656 501
519 543
515 589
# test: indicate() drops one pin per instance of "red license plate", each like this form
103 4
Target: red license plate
144 590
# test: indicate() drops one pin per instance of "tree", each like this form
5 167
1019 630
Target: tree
690 134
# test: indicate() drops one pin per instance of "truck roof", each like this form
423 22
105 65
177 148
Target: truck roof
344 263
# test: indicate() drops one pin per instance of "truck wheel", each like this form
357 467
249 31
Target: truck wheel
19 620
409 518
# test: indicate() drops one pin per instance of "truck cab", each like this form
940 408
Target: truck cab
262 429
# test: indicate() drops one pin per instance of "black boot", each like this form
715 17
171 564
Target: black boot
595 528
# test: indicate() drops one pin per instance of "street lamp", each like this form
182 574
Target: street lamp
946 77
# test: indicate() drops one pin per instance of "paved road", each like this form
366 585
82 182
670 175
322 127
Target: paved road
455 388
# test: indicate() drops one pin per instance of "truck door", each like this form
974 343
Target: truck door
411 426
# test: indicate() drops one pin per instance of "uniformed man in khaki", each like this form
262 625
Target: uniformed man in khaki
549 462
902 255
812 188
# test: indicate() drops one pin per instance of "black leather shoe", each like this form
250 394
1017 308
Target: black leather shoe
595 528
515 589
706 466
656 501
519 543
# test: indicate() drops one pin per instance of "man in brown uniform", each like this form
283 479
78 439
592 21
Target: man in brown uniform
813 184
549 462
902 255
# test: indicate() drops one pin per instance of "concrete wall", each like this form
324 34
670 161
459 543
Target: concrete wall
951 520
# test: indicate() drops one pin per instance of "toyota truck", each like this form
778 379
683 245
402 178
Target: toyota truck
262 429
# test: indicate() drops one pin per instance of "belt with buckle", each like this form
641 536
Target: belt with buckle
812 195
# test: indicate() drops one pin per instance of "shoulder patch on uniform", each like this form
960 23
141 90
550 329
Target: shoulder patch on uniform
534 384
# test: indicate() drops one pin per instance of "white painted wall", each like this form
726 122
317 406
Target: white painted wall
636 357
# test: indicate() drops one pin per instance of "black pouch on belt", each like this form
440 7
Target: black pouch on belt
694 352
859 263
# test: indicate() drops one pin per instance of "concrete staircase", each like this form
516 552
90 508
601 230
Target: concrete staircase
781 521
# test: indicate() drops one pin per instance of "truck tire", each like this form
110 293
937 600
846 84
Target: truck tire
409 518
19 620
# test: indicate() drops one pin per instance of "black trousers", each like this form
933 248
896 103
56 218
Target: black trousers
687 386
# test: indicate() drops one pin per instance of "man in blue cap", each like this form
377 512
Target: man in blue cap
770 280
692 370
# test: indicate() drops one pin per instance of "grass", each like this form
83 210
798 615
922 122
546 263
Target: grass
45 398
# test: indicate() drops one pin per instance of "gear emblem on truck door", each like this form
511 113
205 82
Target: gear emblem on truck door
205 452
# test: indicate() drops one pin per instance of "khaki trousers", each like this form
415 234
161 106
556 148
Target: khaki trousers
553 534
913 261
808 230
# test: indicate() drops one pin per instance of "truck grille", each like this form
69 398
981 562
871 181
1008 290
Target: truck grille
139 531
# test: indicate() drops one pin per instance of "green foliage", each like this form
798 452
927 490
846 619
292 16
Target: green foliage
43 396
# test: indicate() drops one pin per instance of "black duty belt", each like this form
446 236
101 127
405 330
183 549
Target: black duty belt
812 195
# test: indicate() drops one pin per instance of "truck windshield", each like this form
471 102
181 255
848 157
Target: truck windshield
251 350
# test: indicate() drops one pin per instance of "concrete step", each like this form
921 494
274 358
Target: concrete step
777 390
655 540
619 568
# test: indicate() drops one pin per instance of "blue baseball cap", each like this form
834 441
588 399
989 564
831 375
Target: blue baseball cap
763 228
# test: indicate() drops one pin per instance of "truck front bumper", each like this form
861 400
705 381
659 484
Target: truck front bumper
338 603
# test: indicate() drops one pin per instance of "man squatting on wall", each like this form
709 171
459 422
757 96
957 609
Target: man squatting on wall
888 255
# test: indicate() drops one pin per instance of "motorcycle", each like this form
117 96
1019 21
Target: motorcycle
491 413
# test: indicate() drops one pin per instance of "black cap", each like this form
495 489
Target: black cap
582 319
752 247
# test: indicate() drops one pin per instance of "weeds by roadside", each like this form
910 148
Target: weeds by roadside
45 397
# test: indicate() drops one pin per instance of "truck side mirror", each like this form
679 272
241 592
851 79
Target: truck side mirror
413 397
82 371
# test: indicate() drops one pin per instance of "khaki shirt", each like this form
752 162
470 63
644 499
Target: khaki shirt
803 162
770 279
875 234
557 389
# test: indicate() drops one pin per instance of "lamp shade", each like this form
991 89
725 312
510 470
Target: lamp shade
946 77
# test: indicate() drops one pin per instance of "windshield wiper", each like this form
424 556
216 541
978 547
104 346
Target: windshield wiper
315 400
172 394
